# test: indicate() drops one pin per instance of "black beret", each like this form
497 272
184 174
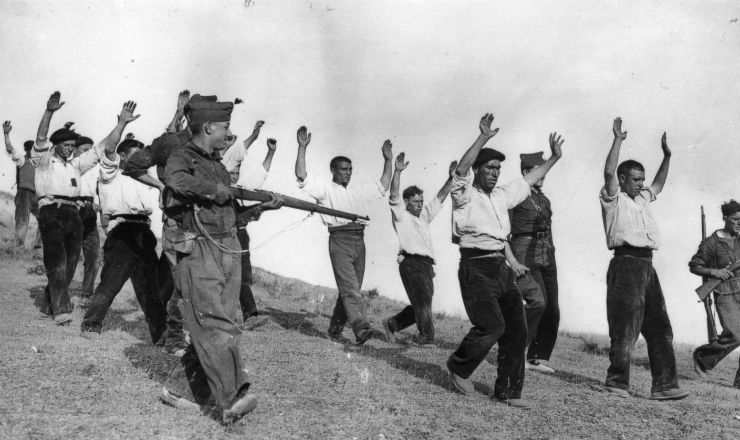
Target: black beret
63 135
488 154
28 145
83 140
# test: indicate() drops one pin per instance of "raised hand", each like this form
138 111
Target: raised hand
182 99
230 140
127 113
387 150
223 194
485 126
453 167
556 142
664 145
617 129
271 144
257 127
401 163
68 125
7 127
129 136
53 103
303 136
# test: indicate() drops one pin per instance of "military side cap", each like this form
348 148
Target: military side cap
530 160
488 154
202 109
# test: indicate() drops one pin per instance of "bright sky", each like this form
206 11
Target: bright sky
421 74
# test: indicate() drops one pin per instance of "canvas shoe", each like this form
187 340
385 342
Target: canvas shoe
464 386
538 366
177 401
672 394
241 407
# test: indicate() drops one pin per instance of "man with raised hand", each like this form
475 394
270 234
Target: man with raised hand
480 226
416 254
25 196
634 299
89 216
346 238
208 273
57 181
533 261
130 246
246 173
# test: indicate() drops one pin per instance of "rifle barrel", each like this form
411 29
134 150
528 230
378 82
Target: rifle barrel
292 202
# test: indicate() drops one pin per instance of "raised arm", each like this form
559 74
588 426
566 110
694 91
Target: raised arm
111 141
401 165
271 147
612 160
176 123
385 178
52 105
7 127
442 194
486 133
556 142
304 138
255 134
662 173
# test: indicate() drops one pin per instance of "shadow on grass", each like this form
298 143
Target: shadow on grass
36 293
394 357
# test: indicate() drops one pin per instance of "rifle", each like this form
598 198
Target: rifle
710 284
292 202
704 294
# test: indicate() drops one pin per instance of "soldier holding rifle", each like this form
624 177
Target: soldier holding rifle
714 260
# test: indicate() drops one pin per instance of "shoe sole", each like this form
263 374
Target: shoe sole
673 397
617 392
513 404
177 402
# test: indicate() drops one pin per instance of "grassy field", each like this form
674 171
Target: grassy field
57 383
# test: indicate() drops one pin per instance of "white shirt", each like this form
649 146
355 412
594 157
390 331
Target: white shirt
121 194
89 182
481 220
353 198
413 232
56 176
628 221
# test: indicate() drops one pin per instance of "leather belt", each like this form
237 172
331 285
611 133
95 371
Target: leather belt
534 234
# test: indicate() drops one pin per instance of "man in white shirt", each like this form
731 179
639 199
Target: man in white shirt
130 245
480 226
57 183
634 299
25 196
89 217
416 254
346 238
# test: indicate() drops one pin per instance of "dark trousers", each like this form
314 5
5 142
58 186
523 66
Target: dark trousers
175 337
634 305
129 252
347 253
494 307
246 297
61 234
26 203
539 288
417 276
209 280
709 355
90 247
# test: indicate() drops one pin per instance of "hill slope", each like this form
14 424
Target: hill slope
58 383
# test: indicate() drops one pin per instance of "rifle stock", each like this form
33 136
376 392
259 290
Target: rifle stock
292 202
710 284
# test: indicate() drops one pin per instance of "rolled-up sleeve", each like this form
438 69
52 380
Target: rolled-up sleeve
313 188
41 155
109 168
515 192
87 160
608 202
460 190
397 208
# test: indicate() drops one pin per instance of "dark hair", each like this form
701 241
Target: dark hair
624 168
127 145
196 127
729 208
337 160
28 145
411 191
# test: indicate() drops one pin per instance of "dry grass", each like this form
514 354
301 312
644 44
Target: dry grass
58 383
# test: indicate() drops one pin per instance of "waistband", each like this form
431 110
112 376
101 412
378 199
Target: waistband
86 199
60 200
220 235
631 251
469 253
130 217
535 234
349 228
424 258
